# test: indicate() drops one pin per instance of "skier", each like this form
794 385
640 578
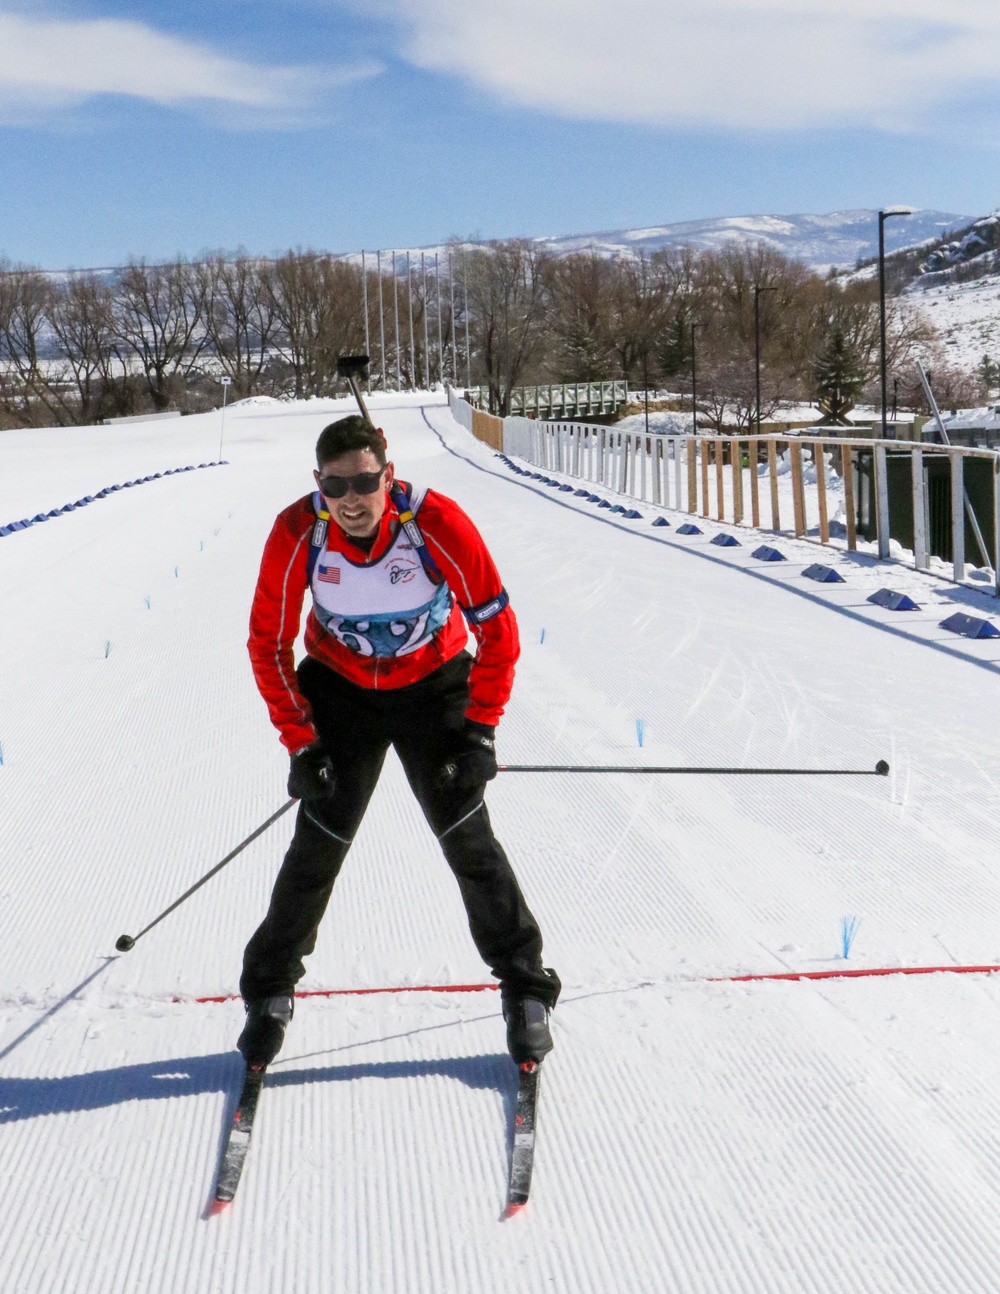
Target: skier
385 665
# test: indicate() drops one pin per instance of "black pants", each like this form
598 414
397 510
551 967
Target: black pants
357 725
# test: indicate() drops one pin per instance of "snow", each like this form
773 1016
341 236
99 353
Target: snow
693 1135
966 316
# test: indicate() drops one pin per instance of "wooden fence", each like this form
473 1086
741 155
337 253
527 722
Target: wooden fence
487 428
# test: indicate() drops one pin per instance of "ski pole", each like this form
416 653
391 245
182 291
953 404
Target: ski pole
881 769
126 942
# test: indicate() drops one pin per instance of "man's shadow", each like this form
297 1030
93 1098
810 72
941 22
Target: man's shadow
31 1098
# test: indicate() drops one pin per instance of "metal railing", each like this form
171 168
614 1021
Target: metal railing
568 400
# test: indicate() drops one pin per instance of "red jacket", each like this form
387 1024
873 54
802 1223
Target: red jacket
457 548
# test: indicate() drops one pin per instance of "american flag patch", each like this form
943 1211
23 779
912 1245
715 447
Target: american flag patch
329 574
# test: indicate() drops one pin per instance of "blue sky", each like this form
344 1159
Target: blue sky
149 130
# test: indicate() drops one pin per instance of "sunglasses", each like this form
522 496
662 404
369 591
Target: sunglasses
336 487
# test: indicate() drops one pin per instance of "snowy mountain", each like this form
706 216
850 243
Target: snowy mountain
839 238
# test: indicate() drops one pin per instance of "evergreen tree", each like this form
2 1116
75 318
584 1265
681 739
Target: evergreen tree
674 350
839 379
989 376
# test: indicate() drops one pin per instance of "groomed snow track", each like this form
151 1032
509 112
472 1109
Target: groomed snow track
778 1136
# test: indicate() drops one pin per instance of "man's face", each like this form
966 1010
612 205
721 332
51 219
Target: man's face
358 515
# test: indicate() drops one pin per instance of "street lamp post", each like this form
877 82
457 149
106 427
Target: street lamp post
757 290
694 383
885 214
645 384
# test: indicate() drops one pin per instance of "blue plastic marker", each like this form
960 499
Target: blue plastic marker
848 931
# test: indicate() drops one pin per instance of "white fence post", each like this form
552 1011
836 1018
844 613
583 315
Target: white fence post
957 516
678 472
919 517
996 526
882 501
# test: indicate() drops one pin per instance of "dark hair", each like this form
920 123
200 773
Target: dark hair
347 434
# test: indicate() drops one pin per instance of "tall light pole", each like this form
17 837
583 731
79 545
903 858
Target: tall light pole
465 305
885 214
395 311
451 288
364 289
437 289
757 290
381 318
427 345
409 306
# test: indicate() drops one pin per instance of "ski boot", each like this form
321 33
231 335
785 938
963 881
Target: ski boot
264 1030
528 1036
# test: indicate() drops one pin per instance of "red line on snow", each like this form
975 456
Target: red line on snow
870 972
864 973
362 992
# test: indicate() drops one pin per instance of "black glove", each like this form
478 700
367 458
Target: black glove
311 776
472 761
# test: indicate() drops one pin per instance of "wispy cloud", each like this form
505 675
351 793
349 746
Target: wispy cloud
50 63
758 64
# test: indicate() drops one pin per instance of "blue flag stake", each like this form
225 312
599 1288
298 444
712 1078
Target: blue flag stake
848 930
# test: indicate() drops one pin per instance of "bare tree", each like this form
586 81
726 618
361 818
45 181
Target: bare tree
159 320
241 318
581 310
27 393
81 315
319 308
507 314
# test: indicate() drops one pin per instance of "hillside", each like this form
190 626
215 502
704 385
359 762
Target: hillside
839 238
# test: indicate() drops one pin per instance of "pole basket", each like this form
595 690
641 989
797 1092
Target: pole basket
353 366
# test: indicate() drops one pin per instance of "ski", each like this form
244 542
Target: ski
238 1140
525 1122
